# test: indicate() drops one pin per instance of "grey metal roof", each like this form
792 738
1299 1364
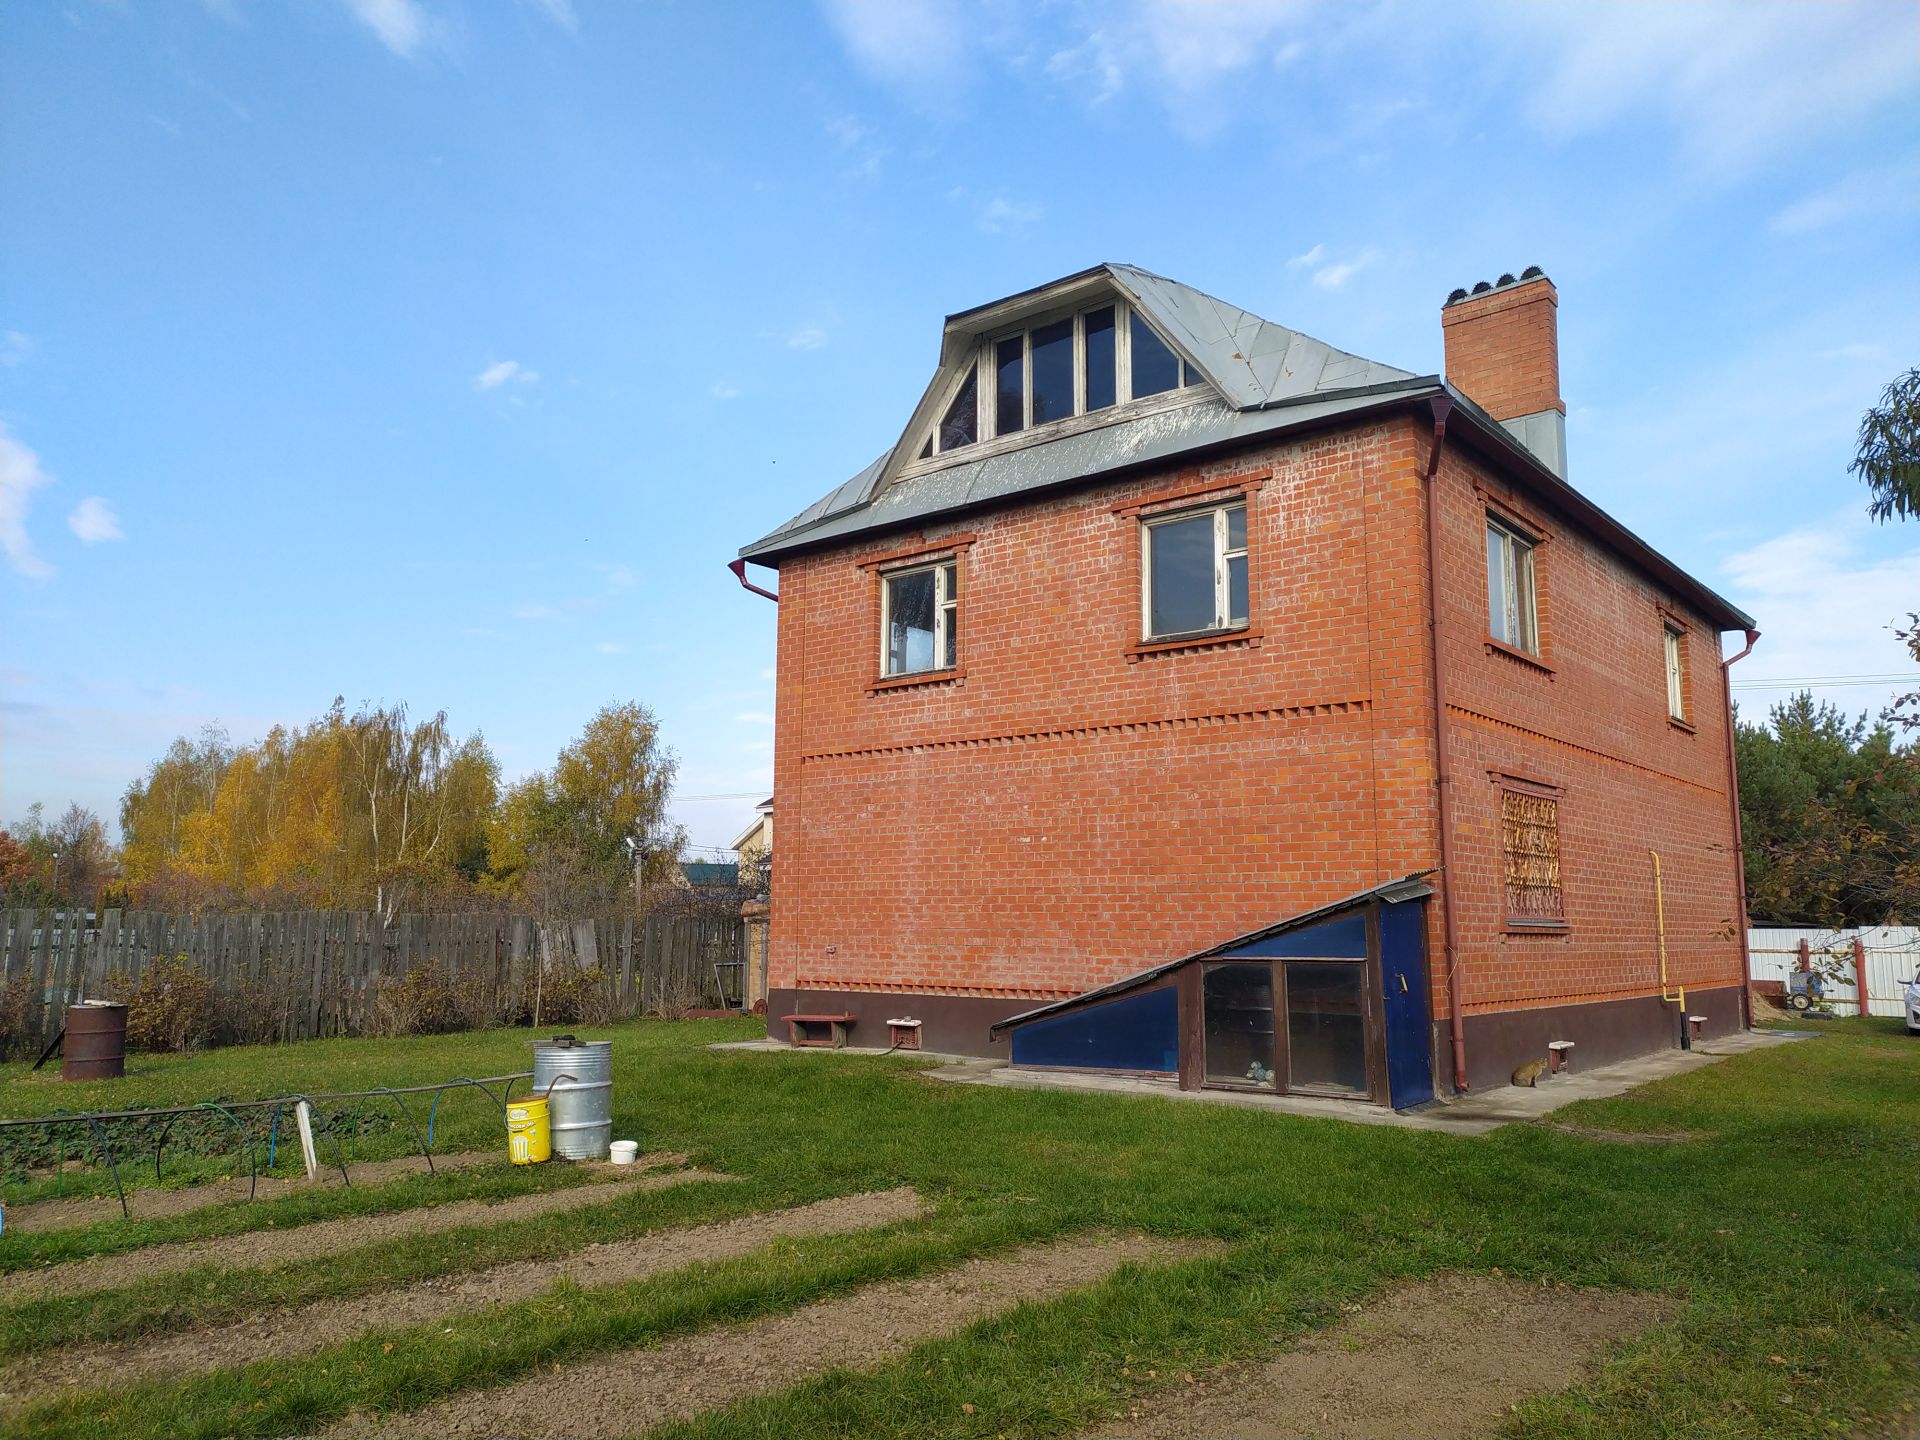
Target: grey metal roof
1064 460
1389 892
1265 378
1251 363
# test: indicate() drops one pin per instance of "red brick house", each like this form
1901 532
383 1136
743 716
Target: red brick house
1181 695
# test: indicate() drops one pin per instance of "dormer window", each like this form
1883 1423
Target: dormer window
1062 367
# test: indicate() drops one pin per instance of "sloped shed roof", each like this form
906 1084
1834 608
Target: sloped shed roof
1390 892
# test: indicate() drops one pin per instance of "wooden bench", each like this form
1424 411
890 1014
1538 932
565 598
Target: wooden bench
806 1030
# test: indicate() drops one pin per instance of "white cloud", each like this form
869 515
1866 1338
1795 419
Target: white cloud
807 337
400 25
15 348
1728 84
1311 257
560 12
1001 216
724 390
1895 190
496 375
1332 277
535 610
754 717
93 521
920 46
1735 80
611 647
20 476
1824 609
620 577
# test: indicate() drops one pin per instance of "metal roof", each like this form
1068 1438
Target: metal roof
1390 892
1250 363
1265 379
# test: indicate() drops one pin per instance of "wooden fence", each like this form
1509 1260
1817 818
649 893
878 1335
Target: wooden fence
318 973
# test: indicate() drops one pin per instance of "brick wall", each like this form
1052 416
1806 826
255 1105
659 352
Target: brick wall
1503 348
1591 720
1069 811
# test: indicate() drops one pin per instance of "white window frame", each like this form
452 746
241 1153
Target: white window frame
1224 621
987 389
1673 641
1518 570
946 605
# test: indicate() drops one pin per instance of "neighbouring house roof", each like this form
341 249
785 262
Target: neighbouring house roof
758 824
707 873
1391 892
1265 380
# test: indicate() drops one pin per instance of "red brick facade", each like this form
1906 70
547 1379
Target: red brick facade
1068 808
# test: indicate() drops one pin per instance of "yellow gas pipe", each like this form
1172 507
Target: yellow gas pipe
1673 995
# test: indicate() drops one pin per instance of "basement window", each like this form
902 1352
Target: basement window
1530 857
920 619
1195 567
1512 618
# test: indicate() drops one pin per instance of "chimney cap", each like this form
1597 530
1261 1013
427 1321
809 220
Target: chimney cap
1483 287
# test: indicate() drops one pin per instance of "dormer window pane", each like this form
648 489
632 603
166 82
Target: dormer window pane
1155 367
1099 359
1053 371
961 424
1010 403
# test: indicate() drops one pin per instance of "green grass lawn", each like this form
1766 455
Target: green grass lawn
1788 1230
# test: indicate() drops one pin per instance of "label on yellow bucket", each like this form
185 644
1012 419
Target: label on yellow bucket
529 1137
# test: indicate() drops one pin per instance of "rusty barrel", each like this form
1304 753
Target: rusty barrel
96 1043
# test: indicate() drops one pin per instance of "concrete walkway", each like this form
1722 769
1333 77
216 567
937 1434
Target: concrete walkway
1474 1114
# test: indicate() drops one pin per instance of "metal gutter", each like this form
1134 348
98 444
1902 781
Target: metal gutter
1739 839
1442 409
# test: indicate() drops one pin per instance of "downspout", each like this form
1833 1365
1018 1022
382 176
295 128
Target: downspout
1443 779
739 569
1739 840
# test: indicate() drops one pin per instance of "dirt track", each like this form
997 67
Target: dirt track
1441 1358
630 1392
155 1203
269 1249
298 1331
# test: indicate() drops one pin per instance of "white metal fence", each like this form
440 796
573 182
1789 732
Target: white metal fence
1891 952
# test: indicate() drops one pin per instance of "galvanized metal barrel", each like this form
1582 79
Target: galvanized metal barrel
577 1076
96 1043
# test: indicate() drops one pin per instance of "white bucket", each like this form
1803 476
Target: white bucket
624 1152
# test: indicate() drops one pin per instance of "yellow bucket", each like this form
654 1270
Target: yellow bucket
529 1136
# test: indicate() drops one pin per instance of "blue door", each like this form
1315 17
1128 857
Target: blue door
1403 975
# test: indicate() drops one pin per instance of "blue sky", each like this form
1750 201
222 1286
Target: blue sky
443 351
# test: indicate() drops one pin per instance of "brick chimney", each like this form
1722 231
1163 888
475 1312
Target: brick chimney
1503 352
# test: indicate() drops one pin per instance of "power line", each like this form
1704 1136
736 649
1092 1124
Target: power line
1823 682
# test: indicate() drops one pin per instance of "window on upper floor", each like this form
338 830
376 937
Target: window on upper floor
1512 616
1530 856
1067 365
1675 641
920 618
1194 568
